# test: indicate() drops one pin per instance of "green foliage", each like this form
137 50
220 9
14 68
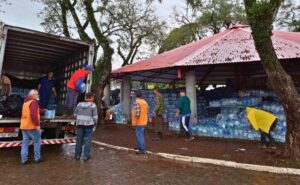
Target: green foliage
218 14
214 15
179 36
163 86
261 15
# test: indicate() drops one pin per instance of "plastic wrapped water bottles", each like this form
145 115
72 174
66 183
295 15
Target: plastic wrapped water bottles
227 121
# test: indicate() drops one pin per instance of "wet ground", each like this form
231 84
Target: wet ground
215 148
111 167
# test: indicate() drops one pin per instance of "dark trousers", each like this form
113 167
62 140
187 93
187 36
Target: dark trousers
264 135
185 125
71 100
160 126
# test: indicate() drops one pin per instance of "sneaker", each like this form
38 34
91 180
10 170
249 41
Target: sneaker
140 152
25 162
86 158
273 147
77 158
39 160
190 139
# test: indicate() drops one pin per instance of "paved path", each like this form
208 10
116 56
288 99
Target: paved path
116 167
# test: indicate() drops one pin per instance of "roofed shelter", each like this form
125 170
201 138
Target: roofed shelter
229 56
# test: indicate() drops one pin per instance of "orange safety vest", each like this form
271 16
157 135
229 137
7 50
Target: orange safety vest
26 122
143 118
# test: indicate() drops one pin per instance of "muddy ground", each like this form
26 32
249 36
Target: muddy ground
110 167
216 148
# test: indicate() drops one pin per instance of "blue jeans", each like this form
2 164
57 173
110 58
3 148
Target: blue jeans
35 135
84 135
139 131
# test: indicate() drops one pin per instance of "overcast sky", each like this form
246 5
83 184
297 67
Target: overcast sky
23 13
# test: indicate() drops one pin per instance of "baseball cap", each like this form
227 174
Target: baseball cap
88 67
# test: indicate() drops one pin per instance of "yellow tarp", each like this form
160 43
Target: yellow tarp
260 119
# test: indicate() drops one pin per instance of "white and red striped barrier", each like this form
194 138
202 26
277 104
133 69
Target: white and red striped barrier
9 144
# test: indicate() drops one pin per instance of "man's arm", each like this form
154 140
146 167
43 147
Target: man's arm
33 108
39 87
137 109
95 114
76 110
54 91
179 107
78 84
157 104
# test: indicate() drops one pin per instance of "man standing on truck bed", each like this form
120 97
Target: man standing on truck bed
45 87
30 126
74 87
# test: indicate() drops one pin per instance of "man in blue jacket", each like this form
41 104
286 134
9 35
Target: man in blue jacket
45 87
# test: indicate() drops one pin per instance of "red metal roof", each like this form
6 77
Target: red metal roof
234 45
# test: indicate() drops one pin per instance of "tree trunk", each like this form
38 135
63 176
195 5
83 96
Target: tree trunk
260 16
104 79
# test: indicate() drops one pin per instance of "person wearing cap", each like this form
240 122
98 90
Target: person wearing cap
184 110
45 87
74 86
139 117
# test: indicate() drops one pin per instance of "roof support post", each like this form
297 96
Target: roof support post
126 89
190 85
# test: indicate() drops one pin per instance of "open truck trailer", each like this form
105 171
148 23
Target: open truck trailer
27 55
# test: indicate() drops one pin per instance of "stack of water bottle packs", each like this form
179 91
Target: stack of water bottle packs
231 121
221 112
23 92
170 101
119 115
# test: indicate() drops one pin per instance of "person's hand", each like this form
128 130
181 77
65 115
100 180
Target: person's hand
38 128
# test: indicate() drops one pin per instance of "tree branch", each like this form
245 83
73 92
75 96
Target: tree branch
83 35
104 42
64 21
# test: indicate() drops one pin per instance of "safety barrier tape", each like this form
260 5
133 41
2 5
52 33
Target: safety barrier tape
9 144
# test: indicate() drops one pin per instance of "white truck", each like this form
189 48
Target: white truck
28 54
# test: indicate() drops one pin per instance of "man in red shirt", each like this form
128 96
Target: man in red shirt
74 87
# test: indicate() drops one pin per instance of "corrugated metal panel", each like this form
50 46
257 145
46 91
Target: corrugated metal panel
234 45
169 58
32 48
